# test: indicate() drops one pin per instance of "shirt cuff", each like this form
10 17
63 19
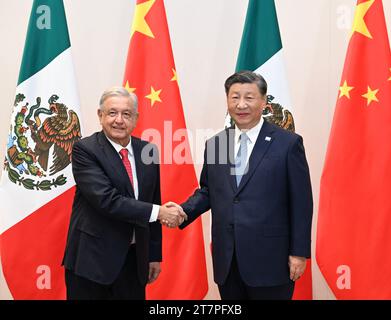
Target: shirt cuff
154 213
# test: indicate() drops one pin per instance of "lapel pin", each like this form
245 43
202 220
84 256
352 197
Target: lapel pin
268 139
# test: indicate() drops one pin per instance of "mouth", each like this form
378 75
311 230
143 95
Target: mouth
242 115
118 129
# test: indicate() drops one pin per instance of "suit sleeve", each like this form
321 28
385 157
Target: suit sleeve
97 189
301 204
199 202
155 242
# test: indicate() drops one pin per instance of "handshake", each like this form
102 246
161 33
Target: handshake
171 215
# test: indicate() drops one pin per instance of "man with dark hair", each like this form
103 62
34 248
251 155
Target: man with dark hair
256 181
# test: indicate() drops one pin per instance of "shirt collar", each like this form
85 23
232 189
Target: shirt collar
252 133
118 147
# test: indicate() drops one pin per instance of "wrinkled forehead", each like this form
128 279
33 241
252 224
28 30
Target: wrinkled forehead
118 103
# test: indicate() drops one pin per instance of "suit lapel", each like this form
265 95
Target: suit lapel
229 161
264 140
115 161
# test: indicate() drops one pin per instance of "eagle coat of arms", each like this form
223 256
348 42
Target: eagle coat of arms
40 143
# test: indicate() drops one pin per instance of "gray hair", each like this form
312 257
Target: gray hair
118 92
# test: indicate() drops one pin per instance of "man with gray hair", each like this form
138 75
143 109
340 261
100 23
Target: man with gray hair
114 244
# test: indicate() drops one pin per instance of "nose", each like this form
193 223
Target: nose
241 104
119 118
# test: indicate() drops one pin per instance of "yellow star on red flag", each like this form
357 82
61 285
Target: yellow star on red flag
154 96
371 95
345 90
175 76
359 24
139 22
127 87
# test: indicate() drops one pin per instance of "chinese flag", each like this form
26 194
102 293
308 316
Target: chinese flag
354 224
150 73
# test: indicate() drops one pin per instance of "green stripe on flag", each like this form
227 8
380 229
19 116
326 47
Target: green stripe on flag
47 37
261 35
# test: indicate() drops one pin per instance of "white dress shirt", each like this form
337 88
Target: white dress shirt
118 148
252 135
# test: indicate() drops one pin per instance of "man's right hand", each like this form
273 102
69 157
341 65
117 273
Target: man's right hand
171 215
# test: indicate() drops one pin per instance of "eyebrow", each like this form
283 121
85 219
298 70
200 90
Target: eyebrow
114 109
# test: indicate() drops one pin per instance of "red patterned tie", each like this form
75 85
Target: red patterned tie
128 167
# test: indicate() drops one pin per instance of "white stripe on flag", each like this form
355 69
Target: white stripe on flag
274 73
56 78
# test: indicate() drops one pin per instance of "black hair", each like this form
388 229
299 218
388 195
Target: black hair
246 77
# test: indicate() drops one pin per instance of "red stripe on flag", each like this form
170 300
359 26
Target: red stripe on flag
34 246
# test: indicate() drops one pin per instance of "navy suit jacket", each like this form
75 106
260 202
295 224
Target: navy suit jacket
267 217
105 213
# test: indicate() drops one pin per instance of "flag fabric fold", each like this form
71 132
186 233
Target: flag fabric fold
151 74
261 51
37 186
354 216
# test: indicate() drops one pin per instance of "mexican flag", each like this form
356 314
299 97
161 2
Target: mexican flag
261 51
37 186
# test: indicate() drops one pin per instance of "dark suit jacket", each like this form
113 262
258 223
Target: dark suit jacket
105 213
268 217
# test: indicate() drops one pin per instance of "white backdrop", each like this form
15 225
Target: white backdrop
205 37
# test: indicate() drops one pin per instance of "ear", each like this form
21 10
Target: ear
100 114
264 102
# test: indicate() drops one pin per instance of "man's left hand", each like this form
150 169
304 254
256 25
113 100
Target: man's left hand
154 271
297 267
